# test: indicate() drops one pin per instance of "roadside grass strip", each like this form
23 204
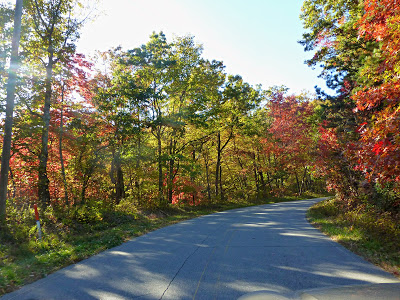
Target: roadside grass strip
364 230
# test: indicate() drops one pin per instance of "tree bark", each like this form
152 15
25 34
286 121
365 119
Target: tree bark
217 169
117 176
43 184
160 169
120 185
298 183
220 183
206 163
60 147
255 170
192 177
303 185
137 179
11 84
171 164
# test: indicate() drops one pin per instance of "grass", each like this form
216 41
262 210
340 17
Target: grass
81 234
364 230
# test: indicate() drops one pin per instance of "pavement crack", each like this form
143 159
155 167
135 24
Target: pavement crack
183 264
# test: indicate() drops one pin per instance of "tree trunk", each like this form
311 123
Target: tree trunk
269 181
170 180
262 182
14 187
137 179
256 176
171 163
60 148
160 171
303 185
84 187
43 184
220 183
218 164
8 124
118 180
192 177
261 175
207 177
242 177
218 169
298 183
120 186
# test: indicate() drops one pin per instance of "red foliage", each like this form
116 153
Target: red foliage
290 131
186 191
378 152
76 146
334 162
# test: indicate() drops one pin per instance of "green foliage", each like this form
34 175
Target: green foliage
20 223
331 34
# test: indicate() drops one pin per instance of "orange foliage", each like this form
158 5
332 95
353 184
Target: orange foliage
379 150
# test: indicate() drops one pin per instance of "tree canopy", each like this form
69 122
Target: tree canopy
160 125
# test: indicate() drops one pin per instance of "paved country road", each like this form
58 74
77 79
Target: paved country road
219 256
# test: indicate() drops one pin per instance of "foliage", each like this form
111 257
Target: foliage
357 44
379 151
363 229
156 125
159 128
291 138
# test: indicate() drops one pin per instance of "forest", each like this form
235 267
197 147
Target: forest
155 125
158 126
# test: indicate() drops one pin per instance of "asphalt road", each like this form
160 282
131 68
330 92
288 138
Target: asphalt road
219 256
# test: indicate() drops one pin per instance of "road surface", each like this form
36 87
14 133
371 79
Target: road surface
219 256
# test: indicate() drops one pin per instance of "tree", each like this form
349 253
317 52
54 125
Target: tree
151 63
12 76
6 32
121 103
238 99
51 41
182 108
291 132
378 151
333 38
338 49
358 43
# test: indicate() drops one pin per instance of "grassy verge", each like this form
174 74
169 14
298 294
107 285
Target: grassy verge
363 230
24 259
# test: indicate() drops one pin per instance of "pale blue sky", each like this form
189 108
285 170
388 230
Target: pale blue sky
256 39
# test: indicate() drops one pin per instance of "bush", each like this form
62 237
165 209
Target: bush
328 208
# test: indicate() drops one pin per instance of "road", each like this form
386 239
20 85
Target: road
219 256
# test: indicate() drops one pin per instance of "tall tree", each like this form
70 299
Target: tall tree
237 100
12 76
291 136
151 62
121 103
52 39
378 94
333 37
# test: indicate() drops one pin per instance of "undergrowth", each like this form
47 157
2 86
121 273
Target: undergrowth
364 229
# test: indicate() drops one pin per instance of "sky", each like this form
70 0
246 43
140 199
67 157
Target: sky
257 39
